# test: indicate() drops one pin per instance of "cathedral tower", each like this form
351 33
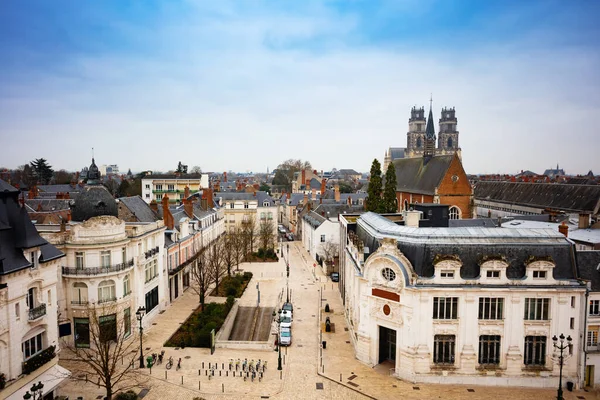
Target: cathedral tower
448 135
415 137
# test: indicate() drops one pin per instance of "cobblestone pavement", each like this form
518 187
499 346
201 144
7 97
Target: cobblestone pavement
305 375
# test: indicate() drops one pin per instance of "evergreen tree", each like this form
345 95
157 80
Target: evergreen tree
389 192
42 171
374 201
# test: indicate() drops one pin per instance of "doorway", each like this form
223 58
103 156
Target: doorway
589 376
387 344
176 280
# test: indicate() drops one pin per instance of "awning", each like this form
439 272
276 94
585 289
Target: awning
51 378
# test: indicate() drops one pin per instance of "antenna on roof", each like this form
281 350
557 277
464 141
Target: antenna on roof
92 152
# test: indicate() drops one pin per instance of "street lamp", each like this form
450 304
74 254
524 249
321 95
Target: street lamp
36 389
561 358
140 315
279 367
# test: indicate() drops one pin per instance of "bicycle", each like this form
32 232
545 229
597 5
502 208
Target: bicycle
169 363
230 364
160 357
178 364
237 364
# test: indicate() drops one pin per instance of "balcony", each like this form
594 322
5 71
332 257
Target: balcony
37 312
151 252
79 302
107 300
97 270
38 360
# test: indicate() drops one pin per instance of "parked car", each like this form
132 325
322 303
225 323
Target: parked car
285 336
285 314
288 306
285 322
290 237
335 277
281 229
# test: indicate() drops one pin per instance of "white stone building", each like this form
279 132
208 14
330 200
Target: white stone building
461 305
589 267
28 303
240 207
156 186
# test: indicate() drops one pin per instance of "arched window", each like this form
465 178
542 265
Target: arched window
454 212
79 293
419 143
405 205
388 274
126 286
106 291
450 143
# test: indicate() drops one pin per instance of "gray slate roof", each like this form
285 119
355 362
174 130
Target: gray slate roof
588 263
564 197
413 175
93 201
422 245
397 152
172 176
139 208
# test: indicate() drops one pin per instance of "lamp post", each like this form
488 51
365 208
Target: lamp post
140 315
561 358
36 389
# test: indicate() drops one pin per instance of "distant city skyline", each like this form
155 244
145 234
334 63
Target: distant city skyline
232 86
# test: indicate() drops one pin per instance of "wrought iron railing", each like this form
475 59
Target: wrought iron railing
38 360
37 312
107 300
97 270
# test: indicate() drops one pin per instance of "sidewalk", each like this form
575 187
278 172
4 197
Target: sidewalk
340 365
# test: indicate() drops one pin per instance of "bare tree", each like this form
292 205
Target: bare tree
229 257
106 350
215 262
249 234
266 235
201 277
237 241
330 250
196 170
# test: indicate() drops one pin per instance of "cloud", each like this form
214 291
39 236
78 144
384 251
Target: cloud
242 88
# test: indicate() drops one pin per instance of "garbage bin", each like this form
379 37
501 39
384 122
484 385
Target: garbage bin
570 386
324 344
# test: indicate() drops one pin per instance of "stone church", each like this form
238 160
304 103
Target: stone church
419 129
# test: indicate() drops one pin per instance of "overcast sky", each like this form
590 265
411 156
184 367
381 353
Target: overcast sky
244 85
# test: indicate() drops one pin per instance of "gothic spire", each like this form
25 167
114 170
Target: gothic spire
430 130
429 150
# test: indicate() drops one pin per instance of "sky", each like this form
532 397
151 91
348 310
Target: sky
244 85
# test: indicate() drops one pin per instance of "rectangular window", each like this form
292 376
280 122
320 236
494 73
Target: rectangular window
147 195
572 323
108 328
159 197
147 186
106 292
572 301
124 254
49 297
246 205
151 299
447 274
171 187
231 205
493 274
82 332
491 308
17 310
537 309
535 350
595 307
32 346
322 238
539 274
158 187
445 307
105 258
79 260
127 322
592 335
33 259
443 349
489 349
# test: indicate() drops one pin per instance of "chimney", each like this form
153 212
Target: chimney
68 215
584 221
337 193
305 199
323 187
349 200
564 229
154 206
207 196
63 225
186 193
254 193
303 176
167 216
188 207
314 194
411 218
224 176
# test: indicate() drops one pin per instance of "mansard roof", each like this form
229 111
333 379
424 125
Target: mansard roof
564 197
17 233
471 244
415 176
139 208
589 264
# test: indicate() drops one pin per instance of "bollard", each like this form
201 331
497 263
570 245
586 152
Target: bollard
182 379
202 364
340 377
198 385
198 372
226 373
323 368
219 372
206 372
280 374
223 387
284 359
223 365
165 375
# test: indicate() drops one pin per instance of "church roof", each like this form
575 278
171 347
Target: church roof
415 176
397 152
93 201
564 197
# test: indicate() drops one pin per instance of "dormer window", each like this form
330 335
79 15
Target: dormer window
33 258
493 274
539 274
266 203
231 205
246 205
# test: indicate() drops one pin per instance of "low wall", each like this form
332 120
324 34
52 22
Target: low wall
227 326
245 345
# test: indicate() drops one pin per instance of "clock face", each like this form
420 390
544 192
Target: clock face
454 178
